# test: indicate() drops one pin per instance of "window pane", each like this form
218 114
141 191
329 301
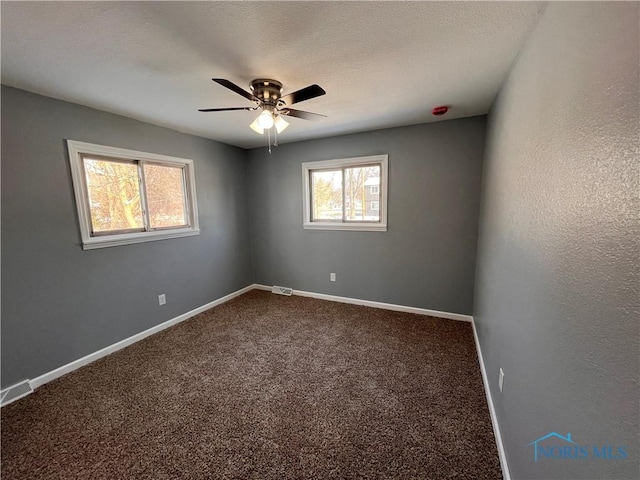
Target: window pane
359 198
165 195
114 195
326 195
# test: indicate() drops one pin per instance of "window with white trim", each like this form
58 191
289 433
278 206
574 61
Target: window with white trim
125 196
375 206
375 189
338 196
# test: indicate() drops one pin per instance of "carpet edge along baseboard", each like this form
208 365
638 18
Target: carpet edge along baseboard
8 395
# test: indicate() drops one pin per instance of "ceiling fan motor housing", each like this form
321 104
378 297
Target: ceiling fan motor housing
267 90
266 93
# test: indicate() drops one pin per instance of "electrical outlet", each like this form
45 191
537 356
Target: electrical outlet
162 299
501 380
332 277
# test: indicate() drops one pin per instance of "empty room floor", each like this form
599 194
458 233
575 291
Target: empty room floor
266 387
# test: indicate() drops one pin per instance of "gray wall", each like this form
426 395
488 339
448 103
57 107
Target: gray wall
425 259
557 281
64 303
59 302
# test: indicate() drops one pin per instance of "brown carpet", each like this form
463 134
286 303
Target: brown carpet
266 387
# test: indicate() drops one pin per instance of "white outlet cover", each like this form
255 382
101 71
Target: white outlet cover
501 380
332 277
162 299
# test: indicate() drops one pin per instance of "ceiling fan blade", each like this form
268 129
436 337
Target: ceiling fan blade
224 109
235 88
301 114
306 93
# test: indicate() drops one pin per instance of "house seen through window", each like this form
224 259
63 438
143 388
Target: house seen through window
348 194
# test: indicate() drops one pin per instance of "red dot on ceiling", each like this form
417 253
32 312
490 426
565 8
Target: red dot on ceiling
440 110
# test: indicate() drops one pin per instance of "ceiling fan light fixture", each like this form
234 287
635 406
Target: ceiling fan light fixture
267 97
256 127
280 124
265 119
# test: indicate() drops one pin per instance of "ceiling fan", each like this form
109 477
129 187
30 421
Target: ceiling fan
267 95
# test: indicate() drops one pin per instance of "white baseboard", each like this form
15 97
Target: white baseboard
92 357
58 372
370 303
492 411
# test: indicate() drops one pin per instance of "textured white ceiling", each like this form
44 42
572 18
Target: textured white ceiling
383 64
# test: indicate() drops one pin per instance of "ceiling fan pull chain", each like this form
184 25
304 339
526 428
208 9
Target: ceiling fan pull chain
275 136
269 136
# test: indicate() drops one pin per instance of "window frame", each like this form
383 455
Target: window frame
77 152
377 190
354 225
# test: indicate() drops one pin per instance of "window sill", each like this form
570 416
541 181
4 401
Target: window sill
129 238
356 227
